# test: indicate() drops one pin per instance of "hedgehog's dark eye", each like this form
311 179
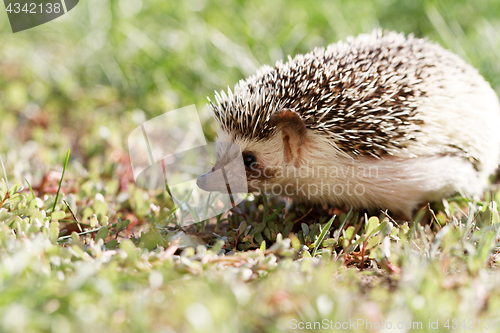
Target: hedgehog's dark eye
249 160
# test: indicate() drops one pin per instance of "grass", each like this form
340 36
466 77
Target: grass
92 252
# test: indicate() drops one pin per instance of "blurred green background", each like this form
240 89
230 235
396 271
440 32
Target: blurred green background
85 80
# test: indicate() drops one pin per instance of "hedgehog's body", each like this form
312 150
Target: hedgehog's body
379 121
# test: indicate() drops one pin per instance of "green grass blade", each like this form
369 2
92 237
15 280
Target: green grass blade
60 181
347 217
322 235
4 172
31 190
266 208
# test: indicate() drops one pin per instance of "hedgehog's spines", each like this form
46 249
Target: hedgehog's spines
363 93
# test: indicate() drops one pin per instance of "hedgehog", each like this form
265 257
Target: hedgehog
381 121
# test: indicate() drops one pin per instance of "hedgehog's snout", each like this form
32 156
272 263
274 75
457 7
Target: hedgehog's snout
225 178
221 181
201 182
212 181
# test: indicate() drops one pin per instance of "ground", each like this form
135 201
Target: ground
108 256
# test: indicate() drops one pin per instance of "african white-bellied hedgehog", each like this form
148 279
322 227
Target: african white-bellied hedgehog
381 121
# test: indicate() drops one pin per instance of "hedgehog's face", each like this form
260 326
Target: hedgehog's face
266 161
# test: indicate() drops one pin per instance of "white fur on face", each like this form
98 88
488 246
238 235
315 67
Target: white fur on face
325 176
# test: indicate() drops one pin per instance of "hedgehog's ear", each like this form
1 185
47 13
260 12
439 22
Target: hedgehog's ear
293 131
